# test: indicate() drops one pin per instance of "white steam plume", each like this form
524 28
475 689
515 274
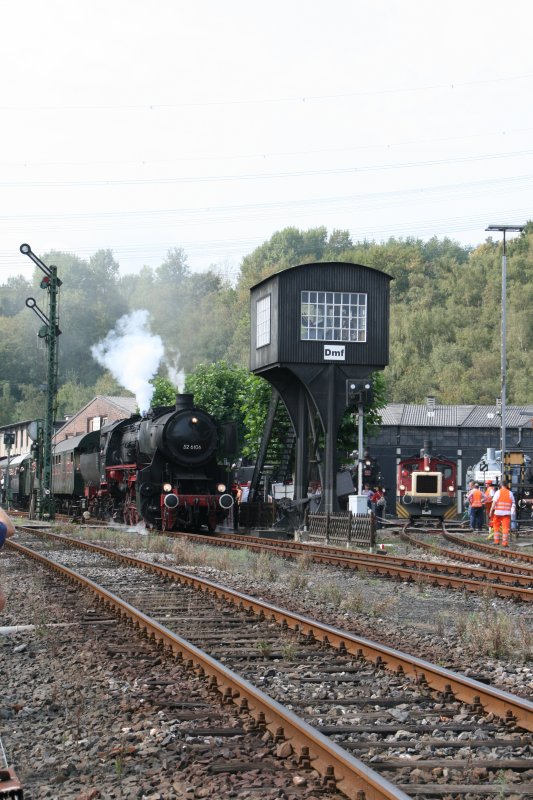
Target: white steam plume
132 354
176 376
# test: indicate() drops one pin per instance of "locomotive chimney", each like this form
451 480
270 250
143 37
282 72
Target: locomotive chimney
184 402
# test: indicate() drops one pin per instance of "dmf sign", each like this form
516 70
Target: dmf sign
334 352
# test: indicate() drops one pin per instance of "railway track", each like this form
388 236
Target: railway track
509 553
479 553
90 710
410 720
514 582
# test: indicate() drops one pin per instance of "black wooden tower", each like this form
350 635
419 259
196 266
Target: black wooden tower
314 327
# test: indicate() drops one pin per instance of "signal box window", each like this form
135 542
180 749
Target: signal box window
333 316
263 322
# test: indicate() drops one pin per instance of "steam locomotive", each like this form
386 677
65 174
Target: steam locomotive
426 486
160 468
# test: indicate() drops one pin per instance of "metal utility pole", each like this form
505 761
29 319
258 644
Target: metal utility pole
49 332
361 453
503 443
9 441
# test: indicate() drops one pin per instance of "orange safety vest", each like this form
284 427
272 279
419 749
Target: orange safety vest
489 494
476 498
504 503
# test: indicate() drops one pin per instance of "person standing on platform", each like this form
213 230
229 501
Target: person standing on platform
502 509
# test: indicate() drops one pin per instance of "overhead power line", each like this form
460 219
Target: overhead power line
297 98
266 175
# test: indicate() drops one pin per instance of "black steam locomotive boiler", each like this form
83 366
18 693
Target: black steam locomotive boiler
161 468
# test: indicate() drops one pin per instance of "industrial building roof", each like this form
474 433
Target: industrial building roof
468 416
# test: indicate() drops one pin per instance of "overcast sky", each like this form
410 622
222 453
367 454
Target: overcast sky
141 126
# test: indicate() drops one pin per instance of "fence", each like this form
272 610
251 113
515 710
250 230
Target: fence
257 515
341 528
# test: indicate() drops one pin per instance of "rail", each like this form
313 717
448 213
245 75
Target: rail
338 767
468 690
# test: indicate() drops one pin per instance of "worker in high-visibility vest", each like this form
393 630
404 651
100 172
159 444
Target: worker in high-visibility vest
488 497
502 508
475 500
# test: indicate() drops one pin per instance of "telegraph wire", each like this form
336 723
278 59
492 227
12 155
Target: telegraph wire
266 175
142 162
225 213
300 98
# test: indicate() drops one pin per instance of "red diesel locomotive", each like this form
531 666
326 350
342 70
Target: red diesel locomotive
426 487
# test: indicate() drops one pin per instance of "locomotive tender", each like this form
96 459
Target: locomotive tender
160 468
426 487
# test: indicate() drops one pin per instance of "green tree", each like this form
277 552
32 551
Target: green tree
90 305
175 268
13 295
284 249
164 392
7 406
210 312
108 386
339 244
254 402
217 389
71 397
445 316
22 353
31 403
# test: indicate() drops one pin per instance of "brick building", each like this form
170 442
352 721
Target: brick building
98 412
21 439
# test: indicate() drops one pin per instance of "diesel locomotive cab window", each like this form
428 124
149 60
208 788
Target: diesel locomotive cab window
427 484
263 322
333 316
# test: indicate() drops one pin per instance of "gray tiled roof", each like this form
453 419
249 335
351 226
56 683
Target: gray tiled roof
455 416
129 404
